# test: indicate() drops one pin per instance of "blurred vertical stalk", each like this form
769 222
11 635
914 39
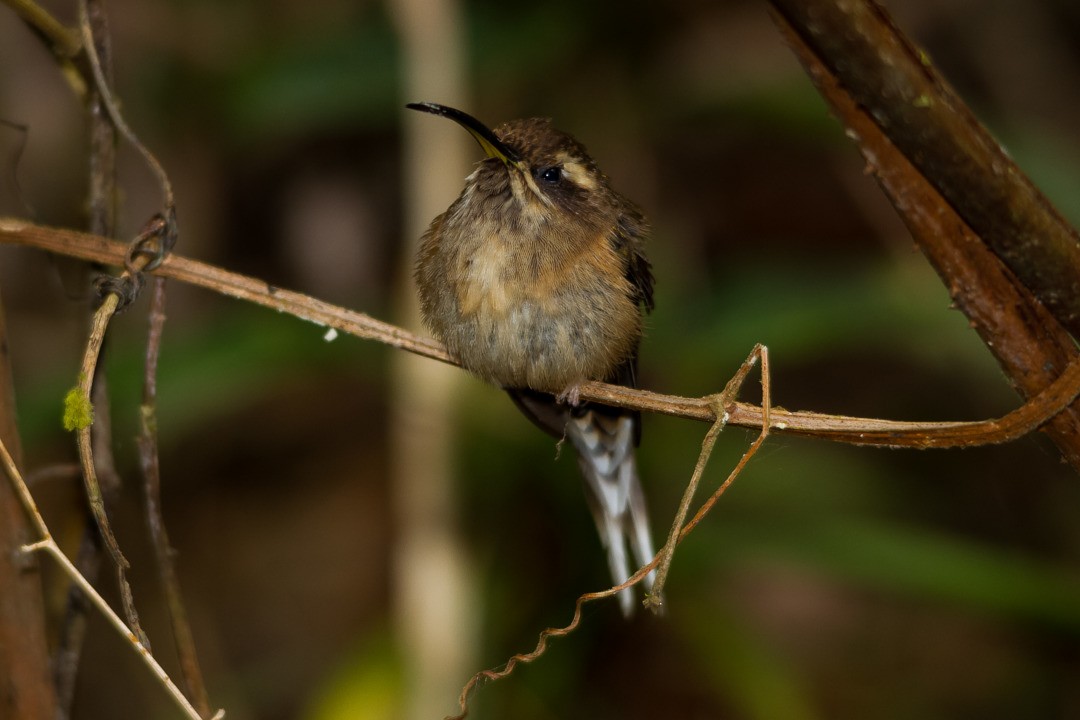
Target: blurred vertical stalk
101 203
434 604
26 689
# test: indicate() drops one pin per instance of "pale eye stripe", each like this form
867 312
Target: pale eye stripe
578 174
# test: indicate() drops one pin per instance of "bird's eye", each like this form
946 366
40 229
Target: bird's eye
551 174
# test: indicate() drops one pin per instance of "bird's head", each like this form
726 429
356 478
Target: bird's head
548 173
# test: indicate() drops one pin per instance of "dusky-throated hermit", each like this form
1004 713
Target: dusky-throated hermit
535 278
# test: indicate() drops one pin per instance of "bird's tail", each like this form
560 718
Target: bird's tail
605 443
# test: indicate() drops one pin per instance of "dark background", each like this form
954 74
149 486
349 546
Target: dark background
831 582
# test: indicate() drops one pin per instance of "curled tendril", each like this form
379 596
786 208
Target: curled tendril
145 253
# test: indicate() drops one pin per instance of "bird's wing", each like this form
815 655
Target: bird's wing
628 239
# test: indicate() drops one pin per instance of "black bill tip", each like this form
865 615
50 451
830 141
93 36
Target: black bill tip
493 146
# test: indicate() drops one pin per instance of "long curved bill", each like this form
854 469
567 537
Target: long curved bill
492 146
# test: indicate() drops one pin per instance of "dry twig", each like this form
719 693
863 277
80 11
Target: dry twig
838 428
45 543
662 561
151 470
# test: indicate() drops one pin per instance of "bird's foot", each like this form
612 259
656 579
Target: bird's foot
570 396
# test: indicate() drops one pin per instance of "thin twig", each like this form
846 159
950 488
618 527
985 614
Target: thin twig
114 112
84 440
87 368
547 635
64 43
68 653
655 599
95 37
151 470
69 646
766 428
102 209
23 493
47 544
102 194
679 532
837 428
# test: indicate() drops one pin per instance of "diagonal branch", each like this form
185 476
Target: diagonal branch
895 84
928 153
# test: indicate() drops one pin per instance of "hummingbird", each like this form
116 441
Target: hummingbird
535 279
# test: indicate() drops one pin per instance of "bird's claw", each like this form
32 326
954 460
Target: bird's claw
570 396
